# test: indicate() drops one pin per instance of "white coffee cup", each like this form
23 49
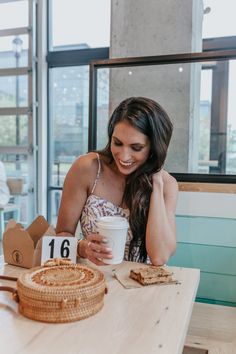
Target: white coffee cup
114 229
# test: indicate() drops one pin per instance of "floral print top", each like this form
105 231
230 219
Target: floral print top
96 207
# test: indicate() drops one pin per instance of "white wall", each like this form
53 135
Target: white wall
221 205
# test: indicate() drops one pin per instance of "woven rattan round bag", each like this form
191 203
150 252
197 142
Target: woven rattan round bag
60 291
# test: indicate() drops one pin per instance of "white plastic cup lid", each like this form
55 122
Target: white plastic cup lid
114 222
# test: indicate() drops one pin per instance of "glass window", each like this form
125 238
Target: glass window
13 130
102 107
79 23
13 91
17 168
55 200
205 120
16 164
9 57
69 118
14 14
199 100
219 18
231 128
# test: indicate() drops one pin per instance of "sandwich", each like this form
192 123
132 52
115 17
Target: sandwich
151 275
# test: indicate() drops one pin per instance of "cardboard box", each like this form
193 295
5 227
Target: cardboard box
22 247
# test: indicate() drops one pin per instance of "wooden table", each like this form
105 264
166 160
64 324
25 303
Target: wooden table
152 319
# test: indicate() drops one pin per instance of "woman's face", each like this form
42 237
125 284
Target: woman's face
130 148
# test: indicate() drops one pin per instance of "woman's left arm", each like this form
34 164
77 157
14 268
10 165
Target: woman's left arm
160 231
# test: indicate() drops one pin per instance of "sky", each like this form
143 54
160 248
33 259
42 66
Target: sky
220 21
86 26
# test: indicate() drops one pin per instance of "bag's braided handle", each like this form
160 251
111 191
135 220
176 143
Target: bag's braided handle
9 288
6 277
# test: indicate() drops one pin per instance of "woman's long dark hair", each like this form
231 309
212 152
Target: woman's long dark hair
148 117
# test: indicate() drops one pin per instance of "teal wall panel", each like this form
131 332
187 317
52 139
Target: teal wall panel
210 245
217 287
205 230
214 259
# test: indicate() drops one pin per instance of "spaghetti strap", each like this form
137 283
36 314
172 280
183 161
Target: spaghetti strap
98 174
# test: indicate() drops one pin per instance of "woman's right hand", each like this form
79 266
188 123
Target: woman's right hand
94 248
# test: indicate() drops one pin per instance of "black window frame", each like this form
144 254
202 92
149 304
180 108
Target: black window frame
207 56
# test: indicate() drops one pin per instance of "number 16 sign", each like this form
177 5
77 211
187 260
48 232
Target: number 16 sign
59 247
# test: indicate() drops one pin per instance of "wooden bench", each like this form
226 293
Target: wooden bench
212 330
15 209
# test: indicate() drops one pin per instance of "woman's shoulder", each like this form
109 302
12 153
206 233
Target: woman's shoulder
87 161
85 166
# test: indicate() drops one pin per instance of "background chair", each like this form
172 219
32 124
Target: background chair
11 209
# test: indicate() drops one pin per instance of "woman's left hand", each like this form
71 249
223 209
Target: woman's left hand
158 178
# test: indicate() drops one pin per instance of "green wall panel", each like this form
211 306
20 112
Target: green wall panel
214 259
210 245
205 230
217 287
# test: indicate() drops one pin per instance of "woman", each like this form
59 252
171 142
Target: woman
126 178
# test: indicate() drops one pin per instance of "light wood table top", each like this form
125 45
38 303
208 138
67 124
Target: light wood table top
151 319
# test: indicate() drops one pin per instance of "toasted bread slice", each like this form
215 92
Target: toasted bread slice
151 275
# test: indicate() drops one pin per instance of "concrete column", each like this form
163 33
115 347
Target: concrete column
159 27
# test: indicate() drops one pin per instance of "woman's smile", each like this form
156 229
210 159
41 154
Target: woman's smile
125 164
